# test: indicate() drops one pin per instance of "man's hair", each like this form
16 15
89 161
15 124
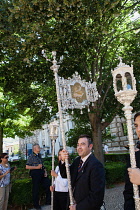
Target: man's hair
88 138
136 115
60 150
36 144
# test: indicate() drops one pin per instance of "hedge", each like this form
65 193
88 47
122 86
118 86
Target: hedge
115 172
21 193
116 157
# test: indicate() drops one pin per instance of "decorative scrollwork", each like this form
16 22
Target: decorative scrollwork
76 93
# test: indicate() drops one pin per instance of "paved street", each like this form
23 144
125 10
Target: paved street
113 198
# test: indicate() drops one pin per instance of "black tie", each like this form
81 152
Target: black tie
80 165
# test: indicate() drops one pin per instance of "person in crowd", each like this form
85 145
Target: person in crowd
87 177
5 171
39 176
131 174
106 149
137 146
60 187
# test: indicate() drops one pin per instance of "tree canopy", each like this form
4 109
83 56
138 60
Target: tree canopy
91 36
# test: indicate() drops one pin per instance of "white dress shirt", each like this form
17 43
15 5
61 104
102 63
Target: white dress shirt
85 158
61 184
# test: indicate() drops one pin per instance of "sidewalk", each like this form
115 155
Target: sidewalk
113 198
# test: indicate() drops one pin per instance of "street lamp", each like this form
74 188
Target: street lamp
124 84
53 127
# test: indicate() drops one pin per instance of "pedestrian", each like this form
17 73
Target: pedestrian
60 187
5 171
87 177
131 174
39 176
106 149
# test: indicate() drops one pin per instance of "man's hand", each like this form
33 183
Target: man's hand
72 207
134 175
45 173
53 173
39 166
52 188
64 155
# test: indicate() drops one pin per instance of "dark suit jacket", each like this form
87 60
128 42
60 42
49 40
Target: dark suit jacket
129 203
89 184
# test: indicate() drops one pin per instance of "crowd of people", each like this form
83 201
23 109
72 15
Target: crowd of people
87 178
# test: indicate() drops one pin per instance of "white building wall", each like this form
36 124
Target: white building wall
41 136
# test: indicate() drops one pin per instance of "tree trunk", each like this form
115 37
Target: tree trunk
97 136
1 140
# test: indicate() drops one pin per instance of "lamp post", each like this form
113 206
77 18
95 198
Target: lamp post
53 127
55 68
124 84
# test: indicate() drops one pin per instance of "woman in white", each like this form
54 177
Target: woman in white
60 187
4 181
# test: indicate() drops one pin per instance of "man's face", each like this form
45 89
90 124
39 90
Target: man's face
37 149
137 126
83 148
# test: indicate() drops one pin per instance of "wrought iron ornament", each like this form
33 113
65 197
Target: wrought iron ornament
76 93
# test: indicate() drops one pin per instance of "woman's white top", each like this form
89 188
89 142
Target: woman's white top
4 181
61 184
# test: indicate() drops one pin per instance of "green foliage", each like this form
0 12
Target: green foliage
91 35
21 193
115 172
81 126
116 157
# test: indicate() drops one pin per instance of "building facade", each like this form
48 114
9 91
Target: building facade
41 136
118 130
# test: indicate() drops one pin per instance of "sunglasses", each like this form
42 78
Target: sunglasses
6 157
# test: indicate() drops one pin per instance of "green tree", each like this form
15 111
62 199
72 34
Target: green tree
91 35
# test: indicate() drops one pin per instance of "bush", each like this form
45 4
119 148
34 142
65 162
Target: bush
116 157
115 172
18 163
21 192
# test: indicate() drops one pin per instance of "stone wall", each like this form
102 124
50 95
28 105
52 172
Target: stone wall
118 129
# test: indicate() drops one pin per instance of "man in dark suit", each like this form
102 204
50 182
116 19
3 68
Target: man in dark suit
129 203
87 177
